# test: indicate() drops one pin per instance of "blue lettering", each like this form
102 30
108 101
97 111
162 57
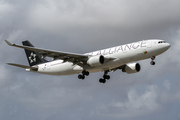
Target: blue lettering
99 53
127 46
90 54
105 53
119 48
135 45
143 43
111 51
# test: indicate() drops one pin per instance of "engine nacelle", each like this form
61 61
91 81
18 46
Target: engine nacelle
96 61
132 68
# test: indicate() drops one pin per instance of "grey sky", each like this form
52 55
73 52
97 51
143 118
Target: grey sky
82 26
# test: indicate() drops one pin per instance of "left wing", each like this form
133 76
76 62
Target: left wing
78 59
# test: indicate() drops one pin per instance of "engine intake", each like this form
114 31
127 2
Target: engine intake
132 68
96 61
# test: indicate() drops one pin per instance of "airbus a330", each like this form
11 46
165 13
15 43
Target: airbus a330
106 60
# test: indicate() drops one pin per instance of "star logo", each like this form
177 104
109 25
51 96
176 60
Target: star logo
32 58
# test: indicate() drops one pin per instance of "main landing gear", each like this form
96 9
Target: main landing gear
105 77
101 80
152 62
84 73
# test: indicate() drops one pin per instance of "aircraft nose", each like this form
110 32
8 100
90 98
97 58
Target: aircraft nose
168 45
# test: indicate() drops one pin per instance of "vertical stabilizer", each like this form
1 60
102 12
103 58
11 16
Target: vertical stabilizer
33 57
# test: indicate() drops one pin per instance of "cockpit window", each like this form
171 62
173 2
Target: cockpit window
161 42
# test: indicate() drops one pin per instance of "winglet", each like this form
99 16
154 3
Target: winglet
9 43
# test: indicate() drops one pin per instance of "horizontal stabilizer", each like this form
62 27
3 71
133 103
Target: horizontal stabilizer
24 66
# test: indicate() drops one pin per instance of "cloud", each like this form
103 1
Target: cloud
5 8
136 104
15 35
116 21
69 15
82 26
167 84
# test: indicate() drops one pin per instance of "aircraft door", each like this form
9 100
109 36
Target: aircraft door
48 66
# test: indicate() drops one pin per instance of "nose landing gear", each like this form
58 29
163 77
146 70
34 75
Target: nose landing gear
152 62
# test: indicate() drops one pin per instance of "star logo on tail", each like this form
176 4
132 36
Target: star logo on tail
32 58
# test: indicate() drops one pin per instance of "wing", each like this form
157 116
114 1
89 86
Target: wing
78 59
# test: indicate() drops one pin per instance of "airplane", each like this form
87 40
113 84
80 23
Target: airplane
106 60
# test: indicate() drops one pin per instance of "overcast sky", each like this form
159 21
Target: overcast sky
81 26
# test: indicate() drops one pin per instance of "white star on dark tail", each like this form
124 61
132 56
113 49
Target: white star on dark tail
32 58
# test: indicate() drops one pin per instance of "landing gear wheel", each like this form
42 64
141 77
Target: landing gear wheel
106 77
152 63
85 73
81 77
102 80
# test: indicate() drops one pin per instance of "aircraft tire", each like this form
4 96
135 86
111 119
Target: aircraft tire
85 73
102 80
106 77
81 77
152 63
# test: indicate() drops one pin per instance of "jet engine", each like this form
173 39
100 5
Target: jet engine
132 68
96 61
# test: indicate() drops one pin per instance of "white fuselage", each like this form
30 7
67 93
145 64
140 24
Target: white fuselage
121 55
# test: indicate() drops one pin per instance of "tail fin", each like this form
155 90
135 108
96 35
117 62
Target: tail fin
33 57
